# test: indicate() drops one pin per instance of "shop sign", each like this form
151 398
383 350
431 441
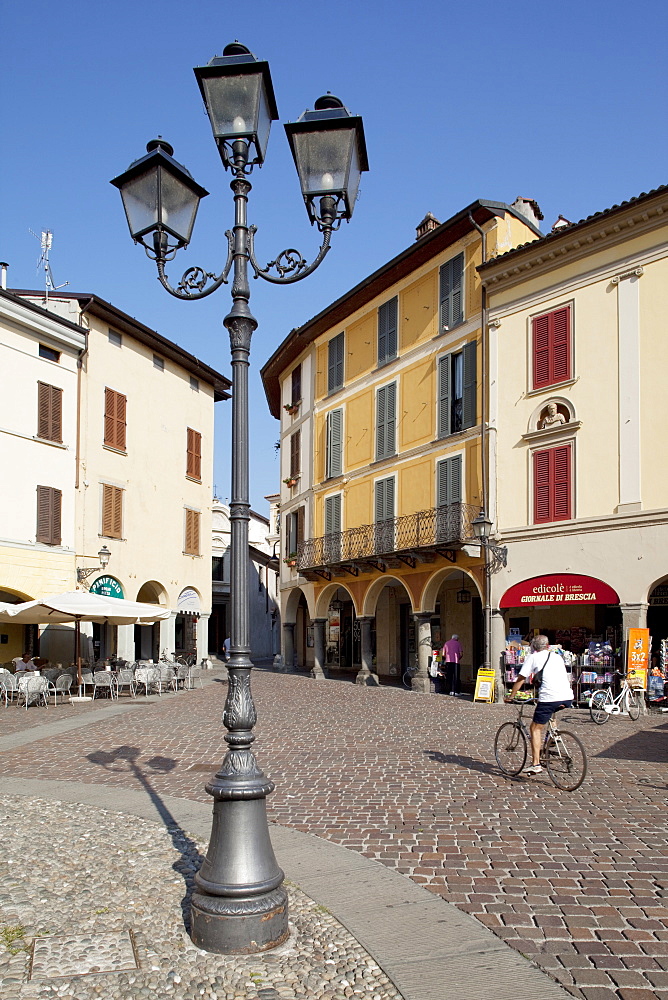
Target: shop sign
188 601
484 685
659 596
637 657
107 586
559 588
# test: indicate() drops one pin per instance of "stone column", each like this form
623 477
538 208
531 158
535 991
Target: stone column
168 635
318 672
125 642
288 648
423 634
366 674
202 638
633 616
497 657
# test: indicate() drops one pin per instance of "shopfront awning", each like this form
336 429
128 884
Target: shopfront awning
559 588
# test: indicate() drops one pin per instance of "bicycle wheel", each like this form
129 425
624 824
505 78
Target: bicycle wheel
407 680
510 748
633 704
597 708
566 760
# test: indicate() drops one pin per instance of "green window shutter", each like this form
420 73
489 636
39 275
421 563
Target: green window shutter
387 331
449 481
334 443
333 514
444 365
452 287
384 499
469 388
386 420
335 363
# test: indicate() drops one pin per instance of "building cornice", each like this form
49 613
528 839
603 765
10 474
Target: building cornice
42 324
582 525
579 241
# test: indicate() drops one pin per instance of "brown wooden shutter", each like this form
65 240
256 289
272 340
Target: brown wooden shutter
552 484
296 394
114 419
192 532
196 516
49 503
551 347
49 412
194 454
112 511
295 453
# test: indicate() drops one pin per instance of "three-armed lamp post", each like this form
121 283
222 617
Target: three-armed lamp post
240 905
495 557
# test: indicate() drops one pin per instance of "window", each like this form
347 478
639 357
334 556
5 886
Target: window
114 419
551 347
295 454
332 541
158 362
194 454
387 331
49 412
335 363
448 499
457 396
552 484
384 514
218 568
294 533
48 353
115 338
112 511
452 285
296 388
49 504
191 547
386 420
334 444
194 384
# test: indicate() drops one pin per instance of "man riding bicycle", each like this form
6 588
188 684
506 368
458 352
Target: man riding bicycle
555 692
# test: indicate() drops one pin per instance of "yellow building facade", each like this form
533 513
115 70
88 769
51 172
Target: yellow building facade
578 370
381 404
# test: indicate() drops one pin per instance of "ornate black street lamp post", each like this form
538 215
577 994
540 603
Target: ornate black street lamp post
240 905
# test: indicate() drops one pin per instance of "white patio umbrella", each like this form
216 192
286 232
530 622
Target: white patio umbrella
80 606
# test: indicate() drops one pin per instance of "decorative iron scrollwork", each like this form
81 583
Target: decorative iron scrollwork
194 280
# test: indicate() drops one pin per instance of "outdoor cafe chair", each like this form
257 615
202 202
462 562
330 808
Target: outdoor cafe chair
86 680
149 678
166 675
61 685
125 679
195 674
181 678
102 681
10 686
33 689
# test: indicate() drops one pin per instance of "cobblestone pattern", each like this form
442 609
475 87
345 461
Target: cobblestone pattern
576 881
95 877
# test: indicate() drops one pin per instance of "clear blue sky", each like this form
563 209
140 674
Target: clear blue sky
564 103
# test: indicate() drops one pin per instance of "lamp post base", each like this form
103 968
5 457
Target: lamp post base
239 926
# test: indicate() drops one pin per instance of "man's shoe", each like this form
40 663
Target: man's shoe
533 769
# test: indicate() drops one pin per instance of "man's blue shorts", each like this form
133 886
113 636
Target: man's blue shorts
546 709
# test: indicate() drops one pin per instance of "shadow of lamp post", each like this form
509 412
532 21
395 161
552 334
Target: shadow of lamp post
240 905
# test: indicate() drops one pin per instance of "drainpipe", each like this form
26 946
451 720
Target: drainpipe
487 608
80 363
3 275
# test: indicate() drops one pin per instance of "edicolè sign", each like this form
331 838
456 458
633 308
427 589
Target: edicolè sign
559 588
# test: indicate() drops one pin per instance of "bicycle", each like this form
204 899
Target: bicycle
408 675
602 704
562 754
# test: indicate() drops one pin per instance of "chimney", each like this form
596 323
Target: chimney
428 224
3 275
529 208
561 223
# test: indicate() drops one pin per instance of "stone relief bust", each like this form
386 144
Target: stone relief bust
551 417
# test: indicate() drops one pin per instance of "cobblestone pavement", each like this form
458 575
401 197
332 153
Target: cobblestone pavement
576 881
102 918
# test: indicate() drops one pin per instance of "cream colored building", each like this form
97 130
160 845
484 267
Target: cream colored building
143 477
578 377
39 381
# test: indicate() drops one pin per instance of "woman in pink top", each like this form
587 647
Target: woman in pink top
452 654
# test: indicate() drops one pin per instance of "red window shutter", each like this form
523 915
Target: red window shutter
541 486
551 347
552 484
561 479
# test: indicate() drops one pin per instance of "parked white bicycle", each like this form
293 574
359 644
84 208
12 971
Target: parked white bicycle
602 704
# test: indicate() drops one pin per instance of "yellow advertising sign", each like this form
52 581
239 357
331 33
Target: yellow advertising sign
484 685
637 657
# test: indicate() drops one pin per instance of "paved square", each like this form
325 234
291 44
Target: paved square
81 956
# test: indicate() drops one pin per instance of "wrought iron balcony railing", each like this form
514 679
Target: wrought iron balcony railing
440 529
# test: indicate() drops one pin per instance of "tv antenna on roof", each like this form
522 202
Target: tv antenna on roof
46 242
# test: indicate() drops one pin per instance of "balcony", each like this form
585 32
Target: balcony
407 540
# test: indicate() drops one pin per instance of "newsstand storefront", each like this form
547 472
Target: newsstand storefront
579 613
